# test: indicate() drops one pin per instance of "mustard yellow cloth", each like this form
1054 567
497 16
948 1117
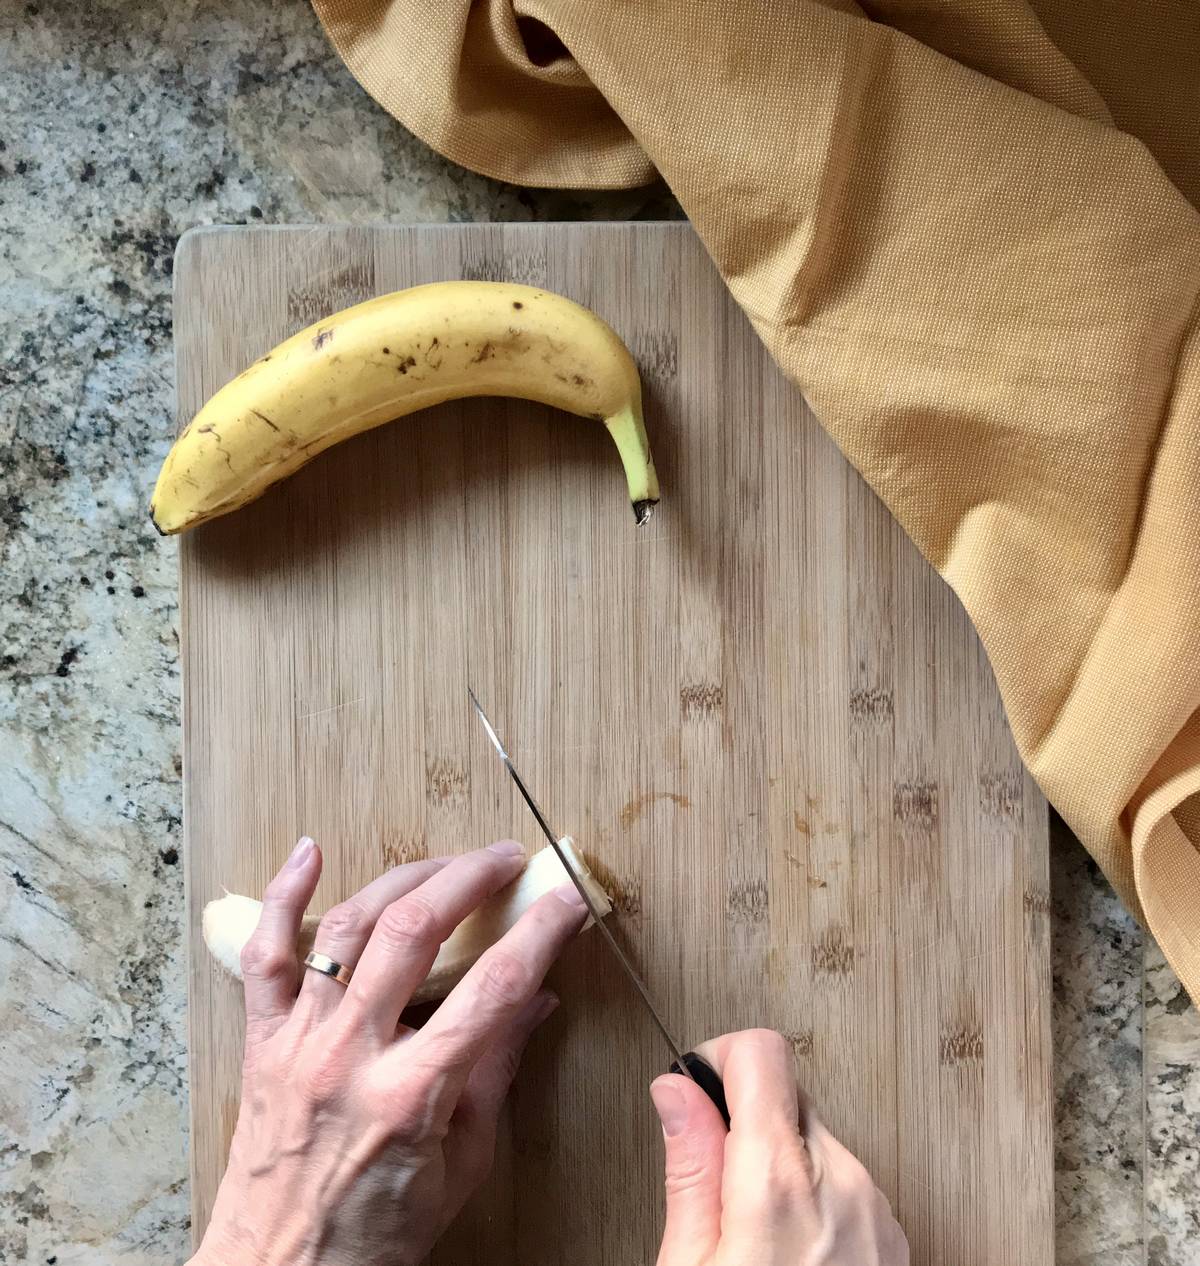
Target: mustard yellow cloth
963 229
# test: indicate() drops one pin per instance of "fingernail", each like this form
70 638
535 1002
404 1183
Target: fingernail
670 1105
548 1008
568 894
444 860
507 848
301 853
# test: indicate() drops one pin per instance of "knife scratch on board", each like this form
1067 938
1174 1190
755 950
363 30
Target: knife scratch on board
320 712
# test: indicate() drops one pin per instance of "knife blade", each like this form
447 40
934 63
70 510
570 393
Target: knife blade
688 1063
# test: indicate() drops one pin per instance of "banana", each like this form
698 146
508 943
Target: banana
392 356
230 921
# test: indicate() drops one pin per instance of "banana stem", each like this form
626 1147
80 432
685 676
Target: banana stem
629 434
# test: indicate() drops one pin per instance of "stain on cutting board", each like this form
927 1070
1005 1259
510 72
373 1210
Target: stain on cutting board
635 808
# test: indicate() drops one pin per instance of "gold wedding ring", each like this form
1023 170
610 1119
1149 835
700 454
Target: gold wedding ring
328 967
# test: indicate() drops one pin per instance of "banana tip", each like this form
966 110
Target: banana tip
154 521
643 510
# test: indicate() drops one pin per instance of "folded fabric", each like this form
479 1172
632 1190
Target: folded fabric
942 224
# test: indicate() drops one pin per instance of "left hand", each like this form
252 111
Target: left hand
359 1139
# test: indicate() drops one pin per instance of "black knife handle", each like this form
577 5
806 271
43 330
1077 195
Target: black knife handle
708 1079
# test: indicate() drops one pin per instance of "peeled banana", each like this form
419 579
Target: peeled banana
392 356
229 922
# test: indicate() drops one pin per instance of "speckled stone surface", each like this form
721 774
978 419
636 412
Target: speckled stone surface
1172 1057
121 125
1096 951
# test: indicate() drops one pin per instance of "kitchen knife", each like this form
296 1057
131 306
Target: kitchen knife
688 1063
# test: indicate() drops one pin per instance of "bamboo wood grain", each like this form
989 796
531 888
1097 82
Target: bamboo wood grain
764 718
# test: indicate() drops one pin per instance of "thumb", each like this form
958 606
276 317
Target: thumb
470 1142
694 1135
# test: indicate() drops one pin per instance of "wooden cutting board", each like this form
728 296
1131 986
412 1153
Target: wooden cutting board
763 716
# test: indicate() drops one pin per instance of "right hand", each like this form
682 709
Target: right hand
777 1189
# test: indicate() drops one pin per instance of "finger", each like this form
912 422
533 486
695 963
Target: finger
489 997
345 929
407 934
893 1246
269 967
817 1134
896 1244
831 1161
694 1137
470 1144
767 1194
760 1079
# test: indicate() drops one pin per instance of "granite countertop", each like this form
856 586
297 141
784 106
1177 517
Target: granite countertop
121 125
